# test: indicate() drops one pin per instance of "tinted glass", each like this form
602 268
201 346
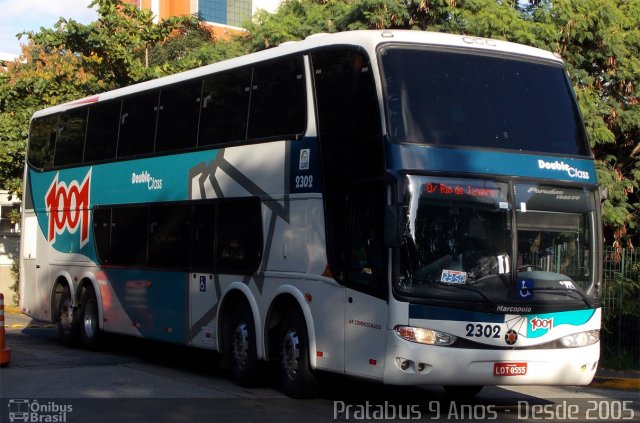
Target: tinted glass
366 266
456 239
70 141
450 98
225 104
102 233
278 100
203 235
129 236
347 99
138 124
102 131
169 235
42 139
178 116
555 232
239 236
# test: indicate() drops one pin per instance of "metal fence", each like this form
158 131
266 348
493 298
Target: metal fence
621 312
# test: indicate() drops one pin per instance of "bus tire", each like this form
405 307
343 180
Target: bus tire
89 319
242 347
297 378
67 319
463 391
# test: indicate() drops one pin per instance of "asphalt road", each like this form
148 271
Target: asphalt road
140 381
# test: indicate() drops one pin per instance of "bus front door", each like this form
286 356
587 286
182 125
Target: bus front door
366 308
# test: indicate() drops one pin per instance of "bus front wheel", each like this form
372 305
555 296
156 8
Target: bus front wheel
89 324
242 347
67 319
295 372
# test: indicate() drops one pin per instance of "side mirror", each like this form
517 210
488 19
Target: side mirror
391 230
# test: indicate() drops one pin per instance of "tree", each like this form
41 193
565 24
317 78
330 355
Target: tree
600 40
46 77
189 46
115 48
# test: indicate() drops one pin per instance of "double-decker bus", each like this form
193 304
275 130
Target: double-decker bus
408 207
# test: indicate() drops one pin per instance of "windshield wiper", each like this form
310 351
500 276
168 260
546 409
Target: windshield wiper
464 287
557 290
468 288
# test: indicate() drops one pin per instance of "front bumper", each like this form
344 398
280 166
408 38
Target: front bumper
409 363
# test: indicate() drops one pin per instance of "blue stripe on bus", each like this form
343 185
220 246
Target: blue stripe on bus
155 301
437 159
419 311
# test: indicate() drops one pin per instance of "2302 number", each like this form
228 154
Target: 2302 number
305 181
488 331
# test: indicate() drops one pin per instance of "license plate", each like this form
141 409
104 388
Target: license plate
509 369
453 276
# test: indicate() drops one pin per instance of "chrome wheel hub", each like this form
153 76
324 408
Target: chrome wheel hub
291 354
240 346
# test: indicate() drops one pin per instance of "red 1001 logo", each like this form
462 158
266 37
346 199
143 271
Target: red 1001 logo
68 208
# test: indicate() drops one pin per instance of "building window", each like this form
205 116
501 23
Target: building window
238 11
227 12
213 11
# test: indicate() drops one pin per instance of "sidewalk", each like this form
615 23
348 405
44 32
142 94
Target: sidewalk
617 379
605 378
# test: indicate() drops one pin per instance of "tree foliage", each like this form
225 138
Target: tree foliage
598 39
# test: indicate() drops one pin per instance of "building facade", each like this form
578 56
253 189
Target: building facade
231 13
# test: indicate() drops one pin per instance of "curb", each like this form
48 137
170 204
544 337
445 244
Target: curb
625 383
12 309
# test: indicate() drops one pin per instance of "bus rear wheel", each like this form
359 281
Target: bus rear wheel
67 319
295 372
242 347
89 323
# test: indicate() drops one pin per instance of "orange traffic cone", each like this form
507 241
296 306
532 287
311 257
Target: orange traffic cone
5 353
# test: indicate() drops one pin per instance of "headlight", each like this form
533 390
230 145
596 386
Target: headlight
581 339
424 336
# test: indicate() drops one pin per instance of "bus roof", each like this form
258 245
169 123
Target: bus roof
367 39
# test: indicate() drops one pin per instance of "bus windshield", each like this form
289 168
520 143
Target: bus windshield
458 242
452 98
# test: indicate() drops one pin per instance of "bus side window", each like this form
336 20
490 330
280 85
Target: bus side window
225 105
129 236
169 229
102 233
138 124
239 236
349 133
42 141
278 99
203 236
178 116
102 131
347 99
70 140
